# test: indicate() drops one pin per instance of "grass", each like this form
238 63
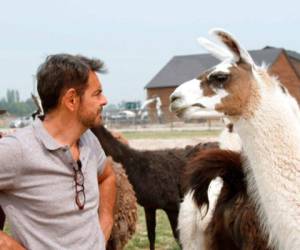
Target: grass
164 237
170 134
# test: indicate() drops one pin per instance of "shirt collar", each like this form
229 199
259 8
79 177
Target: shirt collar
43 135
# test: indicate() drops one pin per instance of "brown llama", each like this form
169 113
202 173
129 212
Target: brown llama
154 174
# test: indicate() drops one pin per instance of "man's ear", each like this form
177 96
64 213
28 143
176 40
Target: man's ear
70 99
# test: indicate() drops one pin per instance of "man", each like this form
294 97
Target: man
56 186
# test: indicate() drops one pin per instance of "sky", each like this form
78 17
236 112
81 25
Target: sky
135 38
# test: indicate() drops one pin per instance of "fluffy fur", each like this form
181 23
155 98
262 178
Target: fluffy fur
274 166
125 213
192 220
234 223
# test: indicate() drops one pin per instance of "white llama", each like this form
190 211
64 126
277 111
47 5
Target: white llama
268 128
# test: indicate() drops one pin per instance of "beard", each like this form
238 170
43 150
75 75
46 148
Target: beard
90 119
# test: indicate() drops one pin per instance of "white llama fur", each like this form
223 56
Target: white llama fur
230 141
271 144
193 221
270 135
192 228
190 224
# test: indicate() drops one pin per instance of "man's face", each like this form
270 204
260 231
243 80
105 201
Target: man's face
92 102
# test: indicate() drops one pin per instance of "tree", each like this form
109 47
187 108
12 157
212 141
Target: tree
14 106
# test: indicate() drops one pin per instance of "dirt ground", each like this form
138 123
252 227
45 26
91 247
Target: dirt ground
152 144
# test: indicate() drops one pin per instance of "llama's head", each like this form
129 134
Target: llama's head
232 87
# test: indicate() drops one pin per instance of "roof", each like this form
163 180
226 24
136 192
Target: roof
290 53
293 54
183 68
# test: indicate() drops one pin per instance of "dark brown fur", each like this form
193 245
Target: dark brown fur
234 224
154 174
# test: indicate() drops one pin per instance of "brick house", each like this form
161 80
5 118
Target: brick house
283 63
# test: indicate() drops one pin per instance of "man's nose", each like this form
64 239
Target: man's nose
103 100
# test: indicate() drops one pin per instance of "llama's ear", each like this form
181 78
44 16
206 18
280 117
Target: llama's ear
239 53
215 49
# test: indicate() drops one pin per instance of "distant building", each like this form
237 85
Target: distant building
131 105
283 63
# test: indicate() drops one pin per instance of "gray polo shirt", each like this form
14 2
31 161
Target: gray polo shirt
37 190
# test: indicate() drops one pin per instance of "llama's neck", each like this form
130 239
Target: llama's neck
117 150
271 143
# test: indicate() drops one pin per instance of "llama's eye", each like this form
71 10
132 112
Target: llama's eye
221 77
218 80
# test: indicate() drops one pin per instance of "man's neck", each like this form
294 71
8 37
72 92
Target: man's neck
64 129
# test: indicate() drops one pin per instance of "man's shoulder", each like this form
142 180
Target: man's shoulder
18 136
13 143
22 135
19 143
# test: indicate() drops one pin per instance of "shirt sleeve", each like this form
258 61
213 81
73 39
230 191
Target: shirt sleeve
101 159
10 156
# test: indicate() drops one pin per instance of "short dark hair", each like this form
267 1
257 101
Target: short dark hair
63 71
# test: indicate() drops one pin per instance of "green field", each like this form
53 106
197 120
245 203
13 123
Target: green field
164 238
